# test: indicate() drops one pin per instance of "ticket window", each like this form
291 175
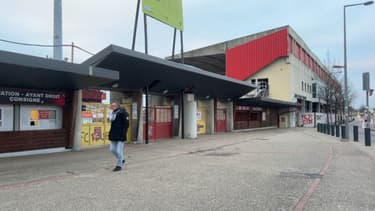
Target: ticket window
40 117
6 118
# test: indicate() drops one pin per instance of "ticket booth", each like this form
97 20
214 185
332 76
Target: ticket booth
38 101
32 119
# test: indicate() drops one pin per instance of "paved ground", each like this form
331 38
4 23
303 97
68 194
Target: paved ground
296 169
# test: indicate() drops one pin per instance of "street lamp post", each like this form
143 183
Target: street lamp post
339 71
366 87
346 97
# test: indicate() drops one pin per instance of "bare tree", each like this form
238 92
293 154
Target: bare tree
340 103
340 100
332 91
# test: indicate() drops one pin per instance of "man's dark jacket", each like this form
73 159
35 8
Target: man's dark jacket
119 126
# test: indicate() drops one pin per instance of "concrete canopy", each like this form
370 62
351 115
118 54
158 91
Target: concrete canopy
212 57
138 71
266 102
23 71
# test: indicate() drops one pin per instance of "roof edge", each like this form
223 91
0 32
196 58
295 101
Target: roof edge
228 44
121 50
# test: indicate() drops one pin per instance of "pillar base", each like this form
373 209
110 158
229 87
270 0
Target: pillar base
190 116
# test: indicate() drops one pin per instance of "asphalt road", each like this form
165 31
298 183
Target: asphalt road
296 169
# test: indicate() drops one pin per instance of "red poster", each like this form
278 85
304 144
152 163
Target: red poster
44 114
87 114
97 135
307 119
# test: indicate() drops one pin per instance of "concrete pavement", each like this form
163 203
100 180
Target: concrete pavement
290 169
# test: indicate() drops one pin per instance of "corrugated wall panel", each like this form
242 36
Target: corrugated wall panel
245 60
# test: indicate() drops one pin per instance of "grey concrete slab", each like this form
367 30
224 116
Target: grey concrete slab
264 170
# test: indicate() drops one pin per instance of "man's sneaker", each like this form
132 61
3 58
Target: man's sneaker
123 161
118 168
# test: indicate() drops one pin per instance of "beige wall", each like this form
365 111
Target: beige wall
301 73
285 78
279 79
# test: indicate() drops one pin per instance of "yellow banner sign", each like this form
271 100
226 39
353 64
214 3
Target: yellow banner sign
166 11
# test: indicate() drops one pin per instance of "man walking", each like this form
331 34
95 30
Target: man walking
118 133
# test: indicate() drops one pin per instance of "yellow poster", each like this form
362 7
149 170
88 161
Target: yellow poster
85 136
96 124
201 120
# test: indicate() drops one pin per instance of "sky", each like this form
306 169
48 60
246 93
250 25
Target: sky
95 24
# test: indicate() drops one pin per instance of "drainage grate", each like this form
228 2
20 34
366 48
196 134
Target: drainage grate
313 175
222 154
301 175
71 173
262 139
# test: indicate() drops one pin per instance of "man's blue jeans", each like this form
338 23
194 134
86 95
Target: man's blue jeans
117 149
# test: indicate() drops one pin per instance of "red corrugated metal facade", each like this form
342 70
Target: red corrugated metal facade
295 48
245 60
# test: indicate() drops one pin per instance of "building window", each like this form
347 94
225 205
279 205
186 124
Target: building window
263 88
253 81
290 44
40 117
263 83
314 90
6 117
302 85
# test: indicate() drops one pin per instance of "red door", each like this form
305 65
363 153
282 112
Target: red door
221 120
160 123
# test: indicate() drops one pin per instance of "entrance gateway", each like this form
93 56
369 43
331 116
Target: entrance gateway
221 120
161 124
173 90
55 122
